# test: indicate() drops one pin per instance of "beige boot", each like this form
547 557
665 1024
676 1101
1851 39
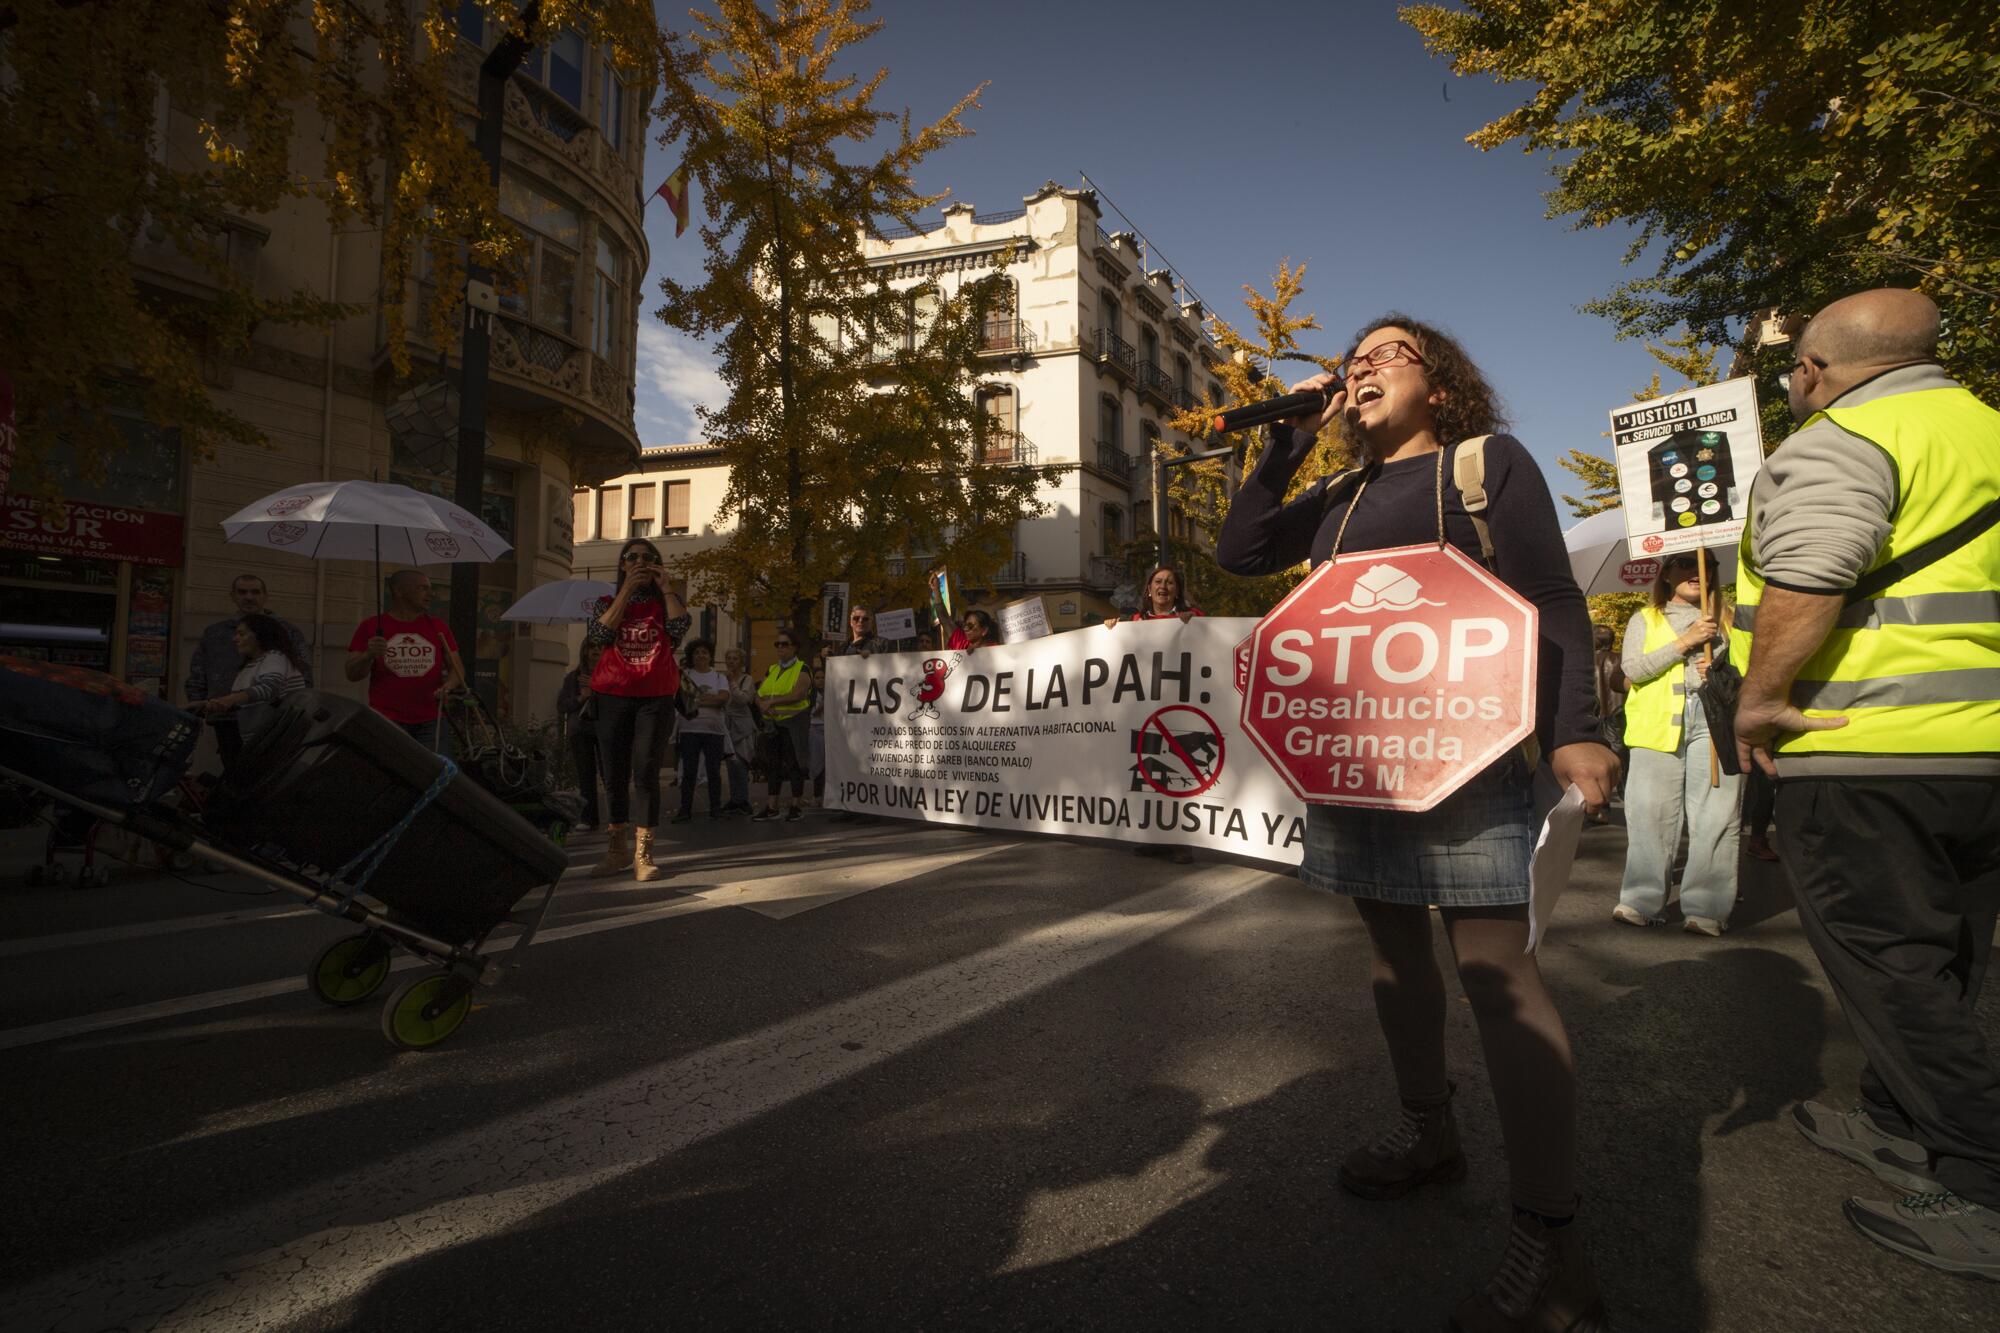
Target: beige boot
1543 1285
643 868
1423 1147
617 854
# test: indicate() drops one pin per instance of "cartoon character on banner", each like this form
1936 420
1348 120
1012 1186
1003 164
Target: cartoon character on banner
930 688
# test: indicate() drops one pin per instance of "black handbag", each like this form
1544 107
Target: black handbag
1719 695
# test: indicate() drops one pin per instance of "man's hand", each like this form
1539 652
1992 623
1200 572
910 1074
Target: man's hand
1759 723
377 646
1592 767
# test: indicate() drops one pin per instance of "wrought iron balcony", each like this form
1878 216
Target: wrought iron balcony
1103 572
1014 573
1154 381
1006 448
1004 335
1115 461
1114 353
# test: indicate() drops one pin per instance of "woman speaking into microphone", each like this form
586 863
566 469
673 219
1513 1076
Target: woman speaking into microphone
1411 401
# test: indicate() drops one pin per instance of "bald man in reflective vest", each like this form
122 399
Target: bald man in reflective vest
1868 609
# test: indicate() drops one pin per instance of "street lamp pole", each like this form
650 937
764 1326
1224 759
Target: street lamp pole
477 345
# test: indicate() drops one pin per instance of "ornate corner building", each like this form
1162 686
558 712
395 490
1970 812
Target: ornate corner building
134 599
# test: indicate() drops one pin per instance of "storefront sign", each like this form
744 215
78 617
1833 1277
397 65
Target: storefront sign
1391 678
1127 733
97 531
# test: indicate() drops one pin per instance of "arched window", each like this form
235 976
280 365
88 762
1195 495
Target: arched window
1000 407
1149 348
1111 423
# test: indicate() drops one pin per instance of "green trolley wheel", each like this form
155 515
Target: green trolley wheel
348 971
422 1012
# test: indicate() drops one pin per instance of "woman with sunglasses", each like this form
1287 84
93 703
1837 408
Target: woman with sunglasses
1667 732
784 696
1411 398
635 682
981 631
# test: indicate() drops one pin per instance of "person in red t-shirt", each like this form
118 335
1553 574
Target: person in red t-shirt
1165 598
410 660
635 682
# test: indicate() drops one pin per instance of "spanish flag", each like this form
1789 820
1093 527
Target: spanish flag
675 191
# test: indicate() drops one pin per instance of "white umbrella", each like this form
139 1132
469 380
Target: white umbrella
1601 561
365 520
566 602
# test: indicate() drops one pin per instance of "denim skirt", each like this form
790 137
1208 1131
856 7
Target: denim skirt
1470 850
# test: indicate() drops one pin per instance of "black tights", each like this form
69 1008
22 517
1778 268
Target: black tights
1527 1051
631 739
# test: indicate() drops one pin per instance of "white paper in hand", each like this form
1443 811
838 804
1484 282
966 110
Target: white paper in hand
1555 853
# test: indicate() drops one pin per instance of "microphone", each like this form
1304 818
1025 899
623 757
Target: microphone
1250 415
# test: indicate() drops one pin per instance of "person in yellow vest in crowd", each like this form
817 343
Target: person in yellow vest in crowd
1868 614
783 697
1672 755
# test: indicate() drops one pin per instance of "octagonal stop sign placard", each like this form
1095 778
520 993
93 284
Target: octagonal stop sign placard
1391 678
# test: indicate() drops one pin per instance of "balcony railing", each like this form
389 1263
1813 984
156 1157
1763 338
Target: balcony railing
1006 448
1156 382
1184 400
1115 352
1014 572
1004 334
1103 571
1115 461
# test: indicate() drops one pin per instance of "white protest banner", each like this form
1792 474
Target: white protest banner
896 624
1129 733
1025 619
1685 463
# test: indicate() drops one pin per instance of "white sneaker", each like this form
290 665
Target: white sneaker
1631 916
1705 925
1939 1229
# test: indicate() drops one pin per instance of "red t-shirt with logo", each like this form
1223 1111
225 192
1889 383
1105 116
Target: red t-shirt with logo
639 663
403 682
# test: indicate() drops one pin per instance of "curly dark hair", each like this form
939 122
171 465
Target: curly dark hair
1470 406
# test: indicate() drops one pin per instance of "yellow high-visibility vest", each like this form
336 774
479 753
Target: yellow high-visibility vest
779 682
1915 670
1653 709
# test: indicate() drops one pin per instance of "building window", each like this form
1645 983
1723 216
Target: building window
1149 432
470 20
1113 529
611 513
609 324
580 516
559 66
1111 422
611 107
642 511
542 288
677 508
923 313
1112 318
1000 407
1214 391
1183 379
1149 346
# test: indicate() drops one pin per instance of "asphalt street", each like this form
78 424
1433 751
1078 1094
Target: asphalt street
891 1075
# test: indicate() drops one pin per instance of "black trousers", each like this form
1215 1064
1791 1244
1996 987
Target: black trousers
1898 884
785 758
698 747
583 752
631 739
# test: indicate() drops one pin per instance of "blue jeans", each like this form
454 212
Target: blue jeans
1663 790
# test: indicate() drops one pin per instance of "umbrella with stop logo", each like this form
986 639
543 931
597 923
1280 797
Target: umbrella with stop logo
365 520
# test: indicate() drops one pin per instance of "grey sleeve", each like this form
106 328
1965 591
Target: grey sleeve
1641 666
1824 506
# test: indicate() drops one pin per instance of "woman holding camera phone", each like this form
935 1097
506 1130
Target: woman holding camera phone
1411 400
635 682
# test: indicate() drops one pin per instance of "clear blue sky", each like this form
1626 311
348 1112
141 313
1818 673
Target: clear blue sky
1236 136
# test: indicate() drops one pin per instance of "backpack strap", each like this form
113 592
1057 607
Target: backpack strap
1468 473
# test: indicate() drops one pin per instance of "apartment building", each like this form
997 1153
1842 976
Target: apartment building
130 589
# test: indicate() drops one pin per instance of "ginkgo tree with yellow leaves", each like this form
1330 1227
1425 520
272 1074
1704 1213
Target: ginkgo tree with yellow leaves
1779 154
341 102
853 442
1201 491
